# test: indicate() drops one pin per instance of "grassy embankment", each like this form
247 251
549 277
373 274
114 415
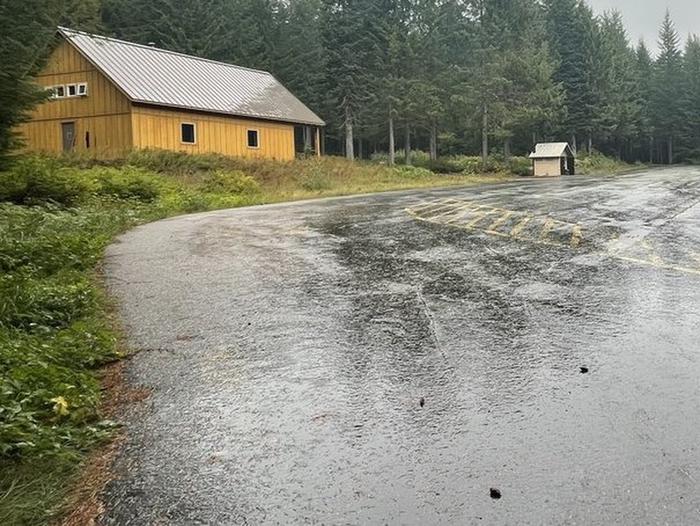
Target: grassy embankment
56 218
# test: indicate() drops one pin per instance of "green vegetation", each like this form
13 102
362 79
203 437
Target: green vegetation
451 78
456 77
57 215
596 163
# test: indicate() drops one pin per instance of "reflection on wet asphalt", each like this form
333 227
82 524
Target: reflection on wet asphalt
390 359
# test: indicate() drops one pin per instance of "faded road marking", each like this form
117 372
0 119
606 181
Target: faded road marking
658 264
644 253
500 222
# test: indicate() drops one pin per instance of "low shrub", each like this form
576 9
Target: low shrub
460 164
314 178
234 182
520 166
413 172
46 239
596 163
37 178
33 304
418 158
126 183
178 163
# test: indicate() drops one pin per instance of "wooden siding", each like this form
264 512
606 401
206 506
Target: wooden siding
160 128
104 112
547 167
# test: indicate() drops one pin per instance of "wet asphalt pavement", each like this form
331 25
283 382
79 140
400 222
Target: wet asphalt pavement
390 359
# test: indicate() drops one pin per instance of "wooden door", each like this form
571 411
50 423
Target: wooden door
68 134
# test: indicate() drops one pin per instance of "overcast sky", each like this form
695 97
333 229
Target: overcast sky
643 17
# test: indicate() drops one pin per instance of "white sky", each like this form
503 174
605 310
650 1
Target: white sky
643 17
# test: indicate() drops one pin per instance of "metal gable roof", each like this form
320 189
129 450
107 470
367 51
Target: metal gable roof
551 150
155 76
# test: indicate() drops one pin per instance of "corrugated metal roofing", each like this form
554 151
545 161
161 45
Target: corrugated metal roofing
550 150
155 76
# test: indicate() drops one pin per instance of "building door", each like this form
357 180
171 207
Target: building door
68 131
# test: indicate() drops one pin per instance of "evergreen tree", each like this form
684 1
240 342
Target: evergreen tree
299 59
689 147
350 33
621 108
196 28
571 29
28 28
667 92
478 74
644 70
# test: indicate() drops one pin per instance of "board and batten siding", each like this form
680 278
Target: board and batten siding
155 127
104 113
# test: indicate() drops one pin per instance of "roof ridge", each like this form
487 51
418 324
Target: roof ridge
66 31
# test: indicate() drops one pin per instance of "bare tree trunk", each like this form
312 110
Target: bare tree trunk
506 149
407 145
651 150
574 145
360 149
349 140
485 137
534 140
433 142
392 143
590 144
670 150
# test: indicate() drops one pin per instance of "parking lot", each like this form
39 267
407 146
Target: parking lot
391 359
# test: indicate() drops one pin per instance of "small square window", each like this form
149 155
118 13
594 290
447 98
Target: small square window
188 133
82 89
59 92
72 90
253 139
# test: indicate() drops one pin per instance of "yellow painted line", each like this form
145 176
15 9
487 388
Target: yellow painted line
479 218
517 229
454 214
546 228
427 207
651 252
576 236
466 206
439 210
499 223
465 212
659 264
427 204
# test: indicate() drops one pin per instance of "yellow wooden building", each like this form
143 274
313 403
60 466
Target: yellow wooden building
111 96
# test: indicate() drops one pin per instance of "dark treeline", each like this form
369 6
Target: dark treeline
446 76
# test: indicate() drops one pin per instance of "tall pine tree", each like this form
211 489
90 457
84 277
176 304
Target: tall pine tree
667 92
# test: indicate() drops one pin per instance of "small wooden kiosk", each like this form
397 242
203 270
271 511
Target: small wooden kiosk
552 159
